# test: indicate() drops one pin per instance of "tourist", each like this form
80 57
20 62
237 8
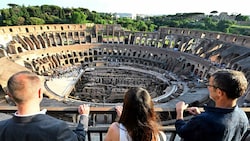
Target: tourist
29 123
223 122
138 121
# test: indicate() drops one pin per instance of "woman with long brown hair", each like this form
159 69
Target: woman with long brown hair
138 120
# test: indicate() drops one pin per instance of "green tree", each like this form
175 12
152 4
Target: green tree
36 21
224 26
141 26
20 21
152 27
14 19
214 12
25 13
50 19
35 11
78 18
12 5
241 18
55 10
7 22
210 24
61 14
5 14
46 9
95 17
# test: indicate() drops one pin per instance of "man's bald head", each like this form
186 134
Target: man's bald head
23 86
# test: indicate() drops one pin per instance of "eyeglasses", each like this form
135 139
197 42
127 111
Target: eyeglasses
216 87
208 85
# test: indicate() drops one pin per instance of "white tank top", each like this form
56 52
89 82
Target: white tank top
124 136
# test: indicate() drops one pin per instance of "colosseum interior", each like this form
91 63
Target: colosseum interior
96 64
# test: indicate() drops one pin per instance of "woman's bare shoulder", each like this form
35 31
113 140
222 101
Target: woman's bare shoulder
113 132
114 126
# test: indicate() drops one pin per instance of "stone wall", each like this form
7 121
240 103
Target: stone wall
196 53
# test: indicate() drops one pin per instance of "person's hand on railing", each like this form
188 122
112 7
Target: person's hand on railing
180 107
84 109
118 110
84 114
193 110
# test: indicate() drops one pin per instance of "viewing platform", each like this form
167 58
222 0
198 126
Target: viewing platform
97 132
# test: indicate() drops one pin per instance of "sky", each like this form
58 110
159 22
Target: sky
149 7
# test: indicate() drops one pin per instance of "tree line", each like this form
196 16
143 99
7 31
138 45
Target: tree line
17 15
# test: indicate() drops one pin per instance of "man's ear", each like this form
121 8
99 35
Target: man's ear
40 93
9 95
220 92
9 99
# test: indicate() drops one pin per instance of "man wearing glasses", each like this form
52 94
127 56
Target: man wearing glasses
223 122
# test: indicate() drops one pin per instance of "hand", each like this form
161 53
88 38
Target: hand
181 106
84 109
193 110
118 110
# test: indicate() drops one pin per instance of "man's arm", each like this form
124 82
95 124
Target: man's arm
82 127
181 107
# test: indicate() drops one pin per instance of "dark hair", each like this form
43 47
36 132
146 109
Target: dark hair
138 115
232 82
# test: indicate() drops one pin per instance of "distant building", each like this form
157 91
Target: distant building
124 15
225 16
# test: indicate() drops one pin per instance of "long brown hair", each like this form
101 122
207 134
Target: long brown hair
138 115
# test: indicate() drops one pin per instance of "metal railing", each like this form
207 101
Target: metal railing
97 132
